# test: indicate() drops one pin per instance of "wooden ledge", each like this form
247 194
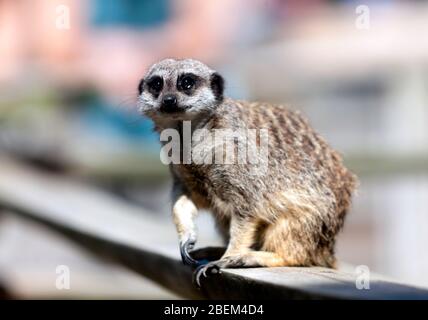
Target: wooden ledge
148 246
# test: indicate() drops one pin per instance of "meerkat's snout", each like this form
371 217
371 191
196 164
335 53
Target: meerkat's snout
169 104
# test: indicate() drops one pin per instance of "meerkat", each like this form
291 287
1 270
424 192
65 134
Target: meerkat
287 216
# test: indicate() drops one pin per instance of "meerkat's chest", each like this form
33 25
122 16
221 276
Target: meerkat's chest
205 191
196 182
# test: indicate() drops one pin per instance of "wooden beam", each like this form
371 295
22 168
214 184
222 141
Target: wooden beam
118 231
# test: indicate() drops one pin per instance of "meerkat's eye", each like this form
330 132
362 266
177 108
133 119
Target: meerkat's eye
186 82
155 84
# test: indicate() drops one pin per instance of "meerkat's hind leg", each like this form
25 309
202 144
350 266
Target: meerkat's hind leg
239 253
249 259
252 259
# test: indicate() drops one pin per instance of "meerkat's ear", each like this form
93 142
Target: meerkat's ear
217 86
140 86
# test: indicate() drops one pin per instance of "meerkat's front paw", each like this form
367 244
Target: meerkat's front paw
185 248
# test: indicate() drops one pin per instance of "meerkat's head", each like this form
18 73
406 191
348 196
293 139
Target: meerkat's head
179 90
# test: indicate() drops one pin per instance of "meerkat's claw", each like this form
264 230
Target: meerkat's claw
185 247
204 271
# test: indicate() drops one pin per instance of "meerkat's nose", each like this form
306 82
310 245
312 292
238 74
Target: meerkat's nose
169 100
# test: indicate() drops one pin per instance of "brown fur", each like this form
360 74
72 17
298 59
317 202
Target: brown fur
297 209
287 216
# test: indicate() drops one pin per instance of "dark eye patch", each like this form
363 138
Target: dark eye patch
187 82
141 86
155 85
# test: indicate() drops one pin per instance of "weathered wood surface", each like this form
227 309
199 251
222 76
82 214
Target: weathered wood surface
126 234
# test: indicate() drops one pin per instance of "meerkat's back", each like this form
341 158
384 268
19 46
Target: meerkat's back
306 190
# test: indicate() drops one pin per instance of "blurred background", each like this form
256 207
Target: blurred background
67 105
